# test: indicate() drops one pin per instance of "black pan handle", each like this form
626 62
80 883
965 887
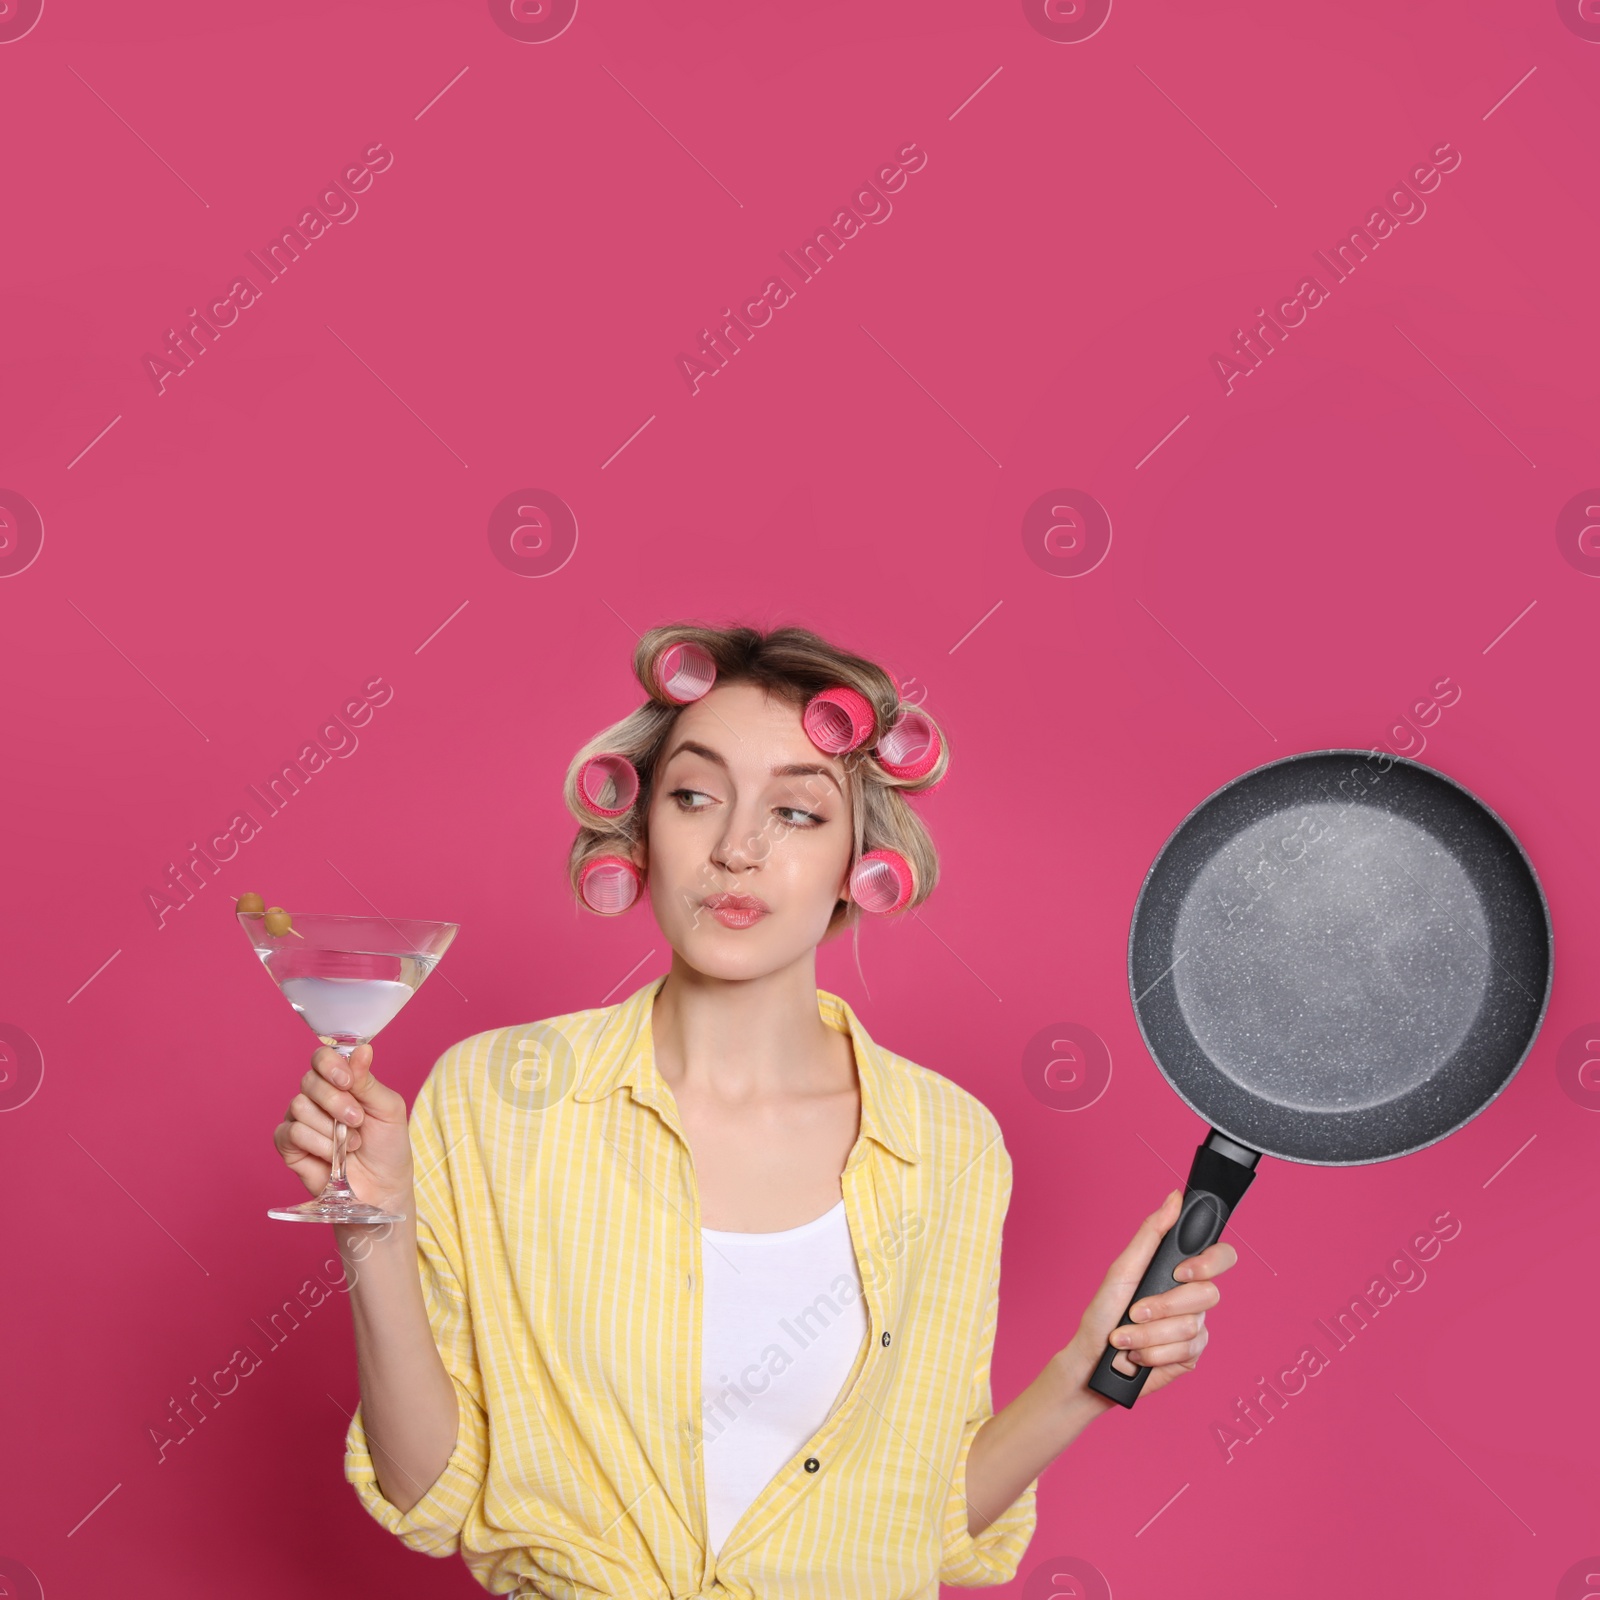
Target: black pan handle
1219 1175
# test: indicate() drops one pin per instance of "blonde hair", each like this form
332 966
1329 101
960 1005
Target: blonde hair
793 664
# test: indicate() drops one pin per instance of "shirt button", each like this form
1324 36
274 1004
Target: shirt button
885 1338
812 1463
689 1280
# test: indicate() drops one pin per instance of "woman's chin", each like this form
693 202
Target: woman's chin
732 953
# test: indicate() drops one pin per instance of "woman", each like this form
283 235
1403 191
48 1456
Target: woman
697 1291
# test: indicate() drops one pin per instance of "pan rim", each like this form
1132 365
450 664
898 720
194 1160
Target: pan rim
1368 754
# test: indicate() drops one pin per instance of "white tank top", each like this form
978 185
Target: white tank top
782 1322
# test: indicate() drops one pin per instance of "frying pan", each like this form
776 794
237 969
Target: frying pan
1337 958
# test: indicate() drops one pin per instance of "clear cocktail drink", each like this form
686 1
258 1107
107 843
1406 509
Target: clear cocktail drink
348 977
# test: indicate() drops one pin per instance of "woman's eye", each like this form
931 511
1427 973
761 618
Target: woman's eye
682 796
806 819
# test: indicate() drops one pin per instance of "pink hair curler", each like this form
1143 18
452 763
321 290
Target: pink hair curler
608 784
837 719
882 881
684 672
911 748
610 884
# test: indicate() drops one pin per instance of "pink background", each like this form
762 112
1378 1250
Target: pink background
308 508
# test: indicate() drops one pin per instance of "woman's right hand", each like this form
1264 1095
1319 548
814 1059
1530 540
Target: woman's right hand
377 1160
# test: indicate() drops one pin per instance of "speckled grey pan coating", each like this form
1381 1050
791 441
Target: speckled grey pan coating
1340 957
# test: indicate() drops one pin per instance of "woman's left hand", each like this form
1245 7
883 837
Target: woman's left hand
1168 1330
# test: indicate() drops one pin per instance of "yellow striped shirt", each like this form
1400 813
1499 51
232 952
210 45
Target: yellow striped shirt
559 1246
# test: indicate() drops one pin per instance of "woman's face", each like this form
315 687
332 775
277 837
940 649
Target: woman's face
750 834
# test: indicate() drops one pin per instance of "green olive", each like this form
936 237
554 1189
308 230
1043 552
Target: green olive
251 904
278 921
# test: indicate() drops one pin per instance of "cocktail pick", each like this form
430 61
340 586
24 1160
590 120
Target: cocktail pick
837 719
911 748
684 672
610 884
881 881
274 918
608 784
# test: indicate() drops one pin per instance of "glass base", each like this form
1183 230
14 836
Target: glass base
336 1203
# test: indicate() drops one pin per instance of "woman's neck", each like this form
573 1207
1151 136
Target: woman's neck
747 1037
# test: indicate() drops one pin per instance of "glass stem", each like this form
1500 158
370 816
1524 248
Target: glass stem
341 1132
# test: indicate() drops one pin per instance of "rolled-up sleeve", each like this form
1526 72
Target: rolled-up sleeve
433 1525
992 1557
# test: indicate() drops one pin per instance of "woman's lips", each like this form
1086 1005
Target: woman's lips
736 910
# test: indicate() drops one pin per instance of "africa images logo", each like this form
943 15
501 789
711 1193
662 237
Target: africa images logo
1402 203
868 203
335 203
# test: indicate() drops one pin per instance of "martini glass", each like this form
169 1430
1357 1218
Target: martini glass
348 977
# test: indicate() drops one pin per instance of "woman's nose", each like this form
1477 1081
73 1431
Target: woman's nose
744 844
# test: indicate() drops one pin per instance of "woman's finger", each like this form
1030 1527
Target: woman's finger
303 1137
1209 1263
359 1069
1168 1330
329 1063
355 1074
1173 1302
304 1109
1182 1351
1129 1267
335 1102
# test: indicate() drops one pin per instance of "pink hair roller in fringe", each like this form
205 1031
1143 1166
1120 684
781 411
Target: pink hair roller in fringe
608 785
911 748
837 719
881 882
609 884
684 672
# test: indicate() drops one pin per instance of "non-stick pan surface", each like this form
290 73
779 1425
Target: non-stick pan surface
1340 957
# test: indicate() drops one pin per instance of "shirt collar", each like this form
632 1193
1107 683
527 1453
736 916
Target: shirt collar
621 1056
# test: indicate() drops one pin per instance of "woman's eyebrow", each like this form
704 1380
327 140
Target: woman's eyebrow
689 746
799 770
793 769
